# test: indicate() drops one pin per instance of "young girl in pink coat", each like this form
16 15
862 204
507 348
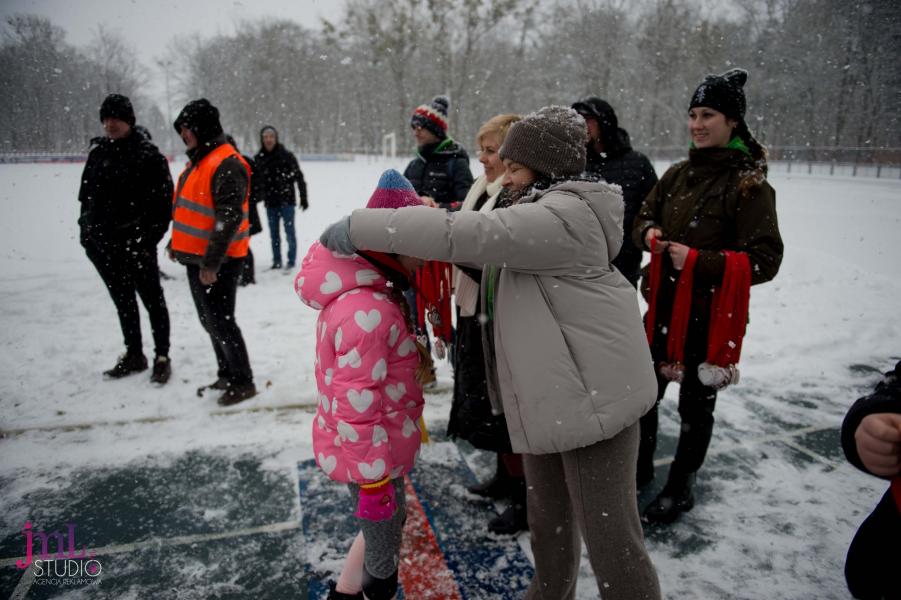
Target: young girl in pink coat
367 427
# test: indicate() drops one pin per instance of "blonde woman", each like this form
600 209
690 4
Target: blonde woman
471 417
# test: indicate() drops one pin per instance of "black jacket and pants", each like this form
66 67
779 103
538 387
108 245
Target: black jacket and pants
215 303
248 275
126 206
871 567
275 174
632 171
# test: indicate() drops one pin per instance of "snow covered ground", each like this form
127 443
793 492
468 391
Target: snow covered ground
777 503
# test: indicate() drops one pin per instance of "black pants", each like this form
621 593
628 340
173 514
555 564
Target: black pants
247 274
874 556
216 308
696 403
129 273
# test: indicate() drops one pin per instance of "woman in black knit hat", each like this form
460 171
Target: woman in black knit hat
710 224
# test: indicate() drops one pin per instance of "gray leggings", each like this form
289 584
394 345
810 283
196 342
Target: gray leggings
382 537
588 491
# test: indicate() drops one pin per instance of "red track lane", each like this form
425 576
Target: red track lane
423 573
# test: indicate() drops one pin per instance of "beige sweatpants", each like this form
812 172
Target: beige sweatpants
589 492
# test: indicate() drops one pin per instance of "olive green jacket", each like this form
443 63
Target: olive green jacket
717 200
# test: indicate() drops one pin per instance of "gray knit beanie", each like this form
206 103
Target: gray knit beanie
550 140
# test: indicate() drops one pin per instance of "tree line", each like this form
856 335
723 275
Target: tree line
823 73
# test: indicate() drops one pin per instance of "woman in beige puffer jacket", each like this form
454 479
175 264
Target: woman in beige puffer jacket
573 365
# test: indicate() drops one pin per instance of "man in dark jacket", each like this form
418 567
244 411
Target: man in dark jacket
871 438
611 157
275 174
210 236
440 172
126 201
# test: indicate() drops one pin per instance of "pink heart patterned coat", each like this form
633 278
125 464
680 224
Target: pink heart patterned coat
367 423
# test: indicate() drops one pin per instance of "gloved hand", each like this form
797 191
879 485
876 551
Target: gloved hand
336 237
717 377
377 503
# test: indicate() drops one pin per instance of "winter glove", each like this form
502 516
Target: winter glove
717 377
304 204
336 237
378 501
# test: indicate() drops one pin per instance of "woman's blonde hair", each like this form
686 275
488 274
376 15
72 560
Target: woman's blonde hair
497 125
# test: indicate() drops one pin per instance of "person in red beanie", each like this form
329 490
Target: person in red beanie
710 223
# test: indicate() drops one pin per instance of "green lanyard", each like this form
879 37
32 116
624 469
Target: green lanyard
492 270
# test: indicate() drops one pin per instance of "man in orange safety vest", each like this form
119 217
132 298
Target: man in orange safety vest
210 236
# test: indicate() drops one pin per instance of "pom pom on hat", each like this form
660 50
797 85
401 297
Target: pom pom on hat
393 191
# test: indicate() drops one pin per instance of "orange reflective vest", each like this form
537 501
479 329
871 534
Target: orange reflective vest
194 215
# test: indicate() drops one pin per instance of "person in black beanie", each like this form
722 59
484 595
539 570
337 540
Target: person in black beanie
277 173
126 202
711 218
211 237
610 156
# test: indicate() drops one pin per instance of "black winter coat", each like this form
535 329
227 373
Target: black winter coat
275 174
633 172
875 552
441 171
886 398
253 216
126 192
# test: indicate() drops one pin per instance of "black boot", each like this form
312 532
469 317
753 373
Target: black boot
333 594
237 393
127 364
515 518
495 488
676 498
162 370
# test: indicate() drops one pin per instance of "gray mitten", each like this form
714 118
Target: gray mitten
336 237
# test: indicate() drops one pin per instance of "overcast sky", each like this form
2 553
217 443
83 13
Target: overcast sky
149 25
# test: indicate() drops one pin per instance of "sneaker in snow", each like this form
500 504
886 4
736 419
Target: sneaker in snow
162 370
126 365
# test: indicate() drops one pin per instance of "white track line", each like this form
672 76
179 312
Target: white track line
177 541
150 420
